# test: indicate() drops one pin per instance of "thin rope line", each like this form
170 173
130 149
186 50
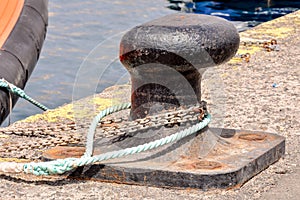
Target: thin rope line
18 91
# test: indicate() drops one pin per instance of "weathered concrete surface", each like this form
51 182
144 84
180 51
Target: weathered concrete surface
252 103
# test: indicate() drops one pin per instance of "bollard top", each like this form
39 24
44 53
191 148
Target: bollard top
180 40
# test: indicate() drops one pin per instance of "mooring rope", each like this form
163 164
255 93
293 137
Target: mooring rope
61 166
18 91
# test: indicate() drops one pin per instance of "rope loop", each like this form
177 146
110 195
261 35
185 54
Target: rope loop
61 166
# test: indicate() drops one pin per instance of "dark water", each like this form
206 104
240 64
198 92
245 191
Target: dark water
80 54
243 13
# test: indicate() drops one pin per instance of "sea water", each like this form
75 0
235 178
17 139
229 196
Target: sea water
80 54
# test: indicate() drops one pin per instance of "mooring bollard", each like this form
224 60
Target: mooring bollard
166 59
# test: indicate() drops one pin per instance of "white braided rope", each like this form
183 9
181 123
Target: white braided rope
11 167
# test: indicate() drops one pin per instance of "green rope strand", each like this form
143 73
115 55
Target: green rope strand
61 166
96 120
18 91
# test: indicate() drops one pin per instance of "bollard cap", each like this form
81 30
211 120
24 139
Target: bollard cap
180 40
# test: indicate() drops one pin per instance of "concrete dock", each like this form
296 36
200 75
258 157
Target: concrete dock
262 95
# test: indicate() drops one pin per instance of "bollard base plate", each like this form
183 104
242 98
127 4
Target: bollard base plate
213 158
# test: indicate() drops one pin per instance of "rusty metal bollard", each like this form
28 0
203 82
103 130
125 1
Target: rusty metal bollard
166 59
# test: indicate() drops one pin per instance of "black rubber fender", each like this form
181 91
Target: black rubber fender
20 52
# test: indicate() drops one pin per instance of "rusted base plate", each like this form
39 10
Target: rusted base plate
213 158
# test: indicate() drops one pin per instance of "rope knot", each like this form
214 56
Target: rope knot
59 166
